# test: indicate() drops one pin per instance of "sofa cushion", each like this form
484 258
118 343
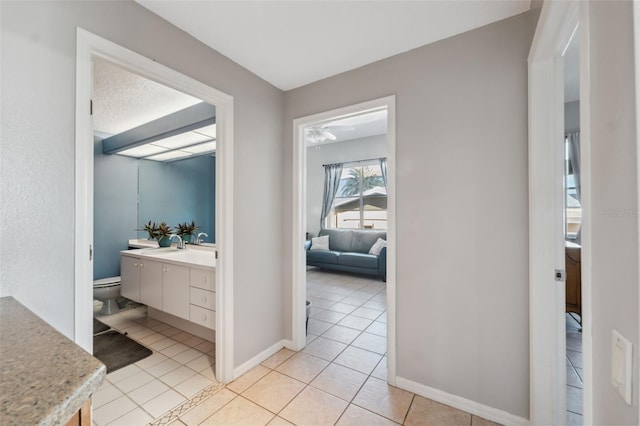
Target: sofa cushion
359 260
363 240
320 243
323 256
339 239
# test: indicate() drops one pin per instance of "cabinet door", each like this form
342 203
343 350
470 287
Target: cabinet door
130 275
151 283
175 288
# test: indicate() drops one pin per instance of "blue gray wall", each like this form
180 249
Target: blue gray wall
176 192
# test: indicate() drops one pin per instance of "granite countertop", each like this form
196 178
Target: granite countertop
44 377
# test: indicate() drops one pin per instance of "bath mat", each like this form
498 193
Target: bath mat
116 350
99 327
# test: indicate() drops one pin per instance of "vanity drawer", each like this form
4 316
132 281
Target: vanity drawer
203 279
203 298
202 316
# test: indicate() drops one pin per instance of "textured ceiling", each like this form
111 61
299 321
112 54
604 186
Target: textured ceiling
123 100
293 43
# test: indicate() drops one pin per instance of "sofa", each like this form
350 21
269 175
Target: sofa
349 252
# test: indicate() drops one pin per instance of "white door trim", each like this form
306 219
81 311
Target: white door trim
557 23
636 36
88 46
299 221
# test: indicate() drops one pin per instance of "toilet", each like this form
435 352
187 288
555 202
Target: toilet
107 290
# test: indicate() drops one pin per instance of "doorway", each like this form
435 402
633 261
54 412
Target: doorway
548 371
89 47
300 225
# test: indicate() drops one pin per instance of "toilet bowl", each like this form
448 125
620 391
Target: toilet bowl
107 290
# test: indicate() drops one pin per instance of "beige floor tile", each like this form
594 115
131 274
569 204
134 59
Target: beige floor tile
247 379
163 403
182 336
152 338
178 375
302 367
154 359
354 322
123 373
311 338
208 407
358 359
278 358
205 346
341 334
479 421
279 421
112 410
380 372
135 381
353 300
193 385
371 342
329 316
425 412
314 407
382 318
273 391
240 411
331 296
194 341
209 373
105 394
324 348
574 400
340 381
162 344
134 417
388 401
356 416
147 392
343 308
374 304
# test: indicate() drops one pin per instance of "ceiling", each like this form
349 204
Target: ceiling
293 43
123 100
354 127
572 70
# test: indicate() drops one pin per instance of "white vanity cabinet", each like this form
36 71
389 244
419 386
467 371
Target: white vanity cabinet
202 297
151 283
175 290
130 276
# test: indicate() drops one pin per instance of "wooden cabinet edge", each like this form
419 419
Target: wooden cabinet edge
82 417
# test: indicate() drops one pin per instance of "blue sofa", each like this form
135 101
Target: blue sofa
349 251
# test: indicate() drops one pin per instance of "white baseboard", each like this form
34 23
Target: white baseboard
472 407
256 360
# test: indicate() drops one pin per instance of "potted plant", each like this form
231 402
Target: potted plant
150 228
162 233
186 230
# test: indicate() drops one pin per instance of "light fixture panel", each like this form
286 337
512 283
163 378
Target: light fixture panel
142 151
181 140
203 147
171 155
207 130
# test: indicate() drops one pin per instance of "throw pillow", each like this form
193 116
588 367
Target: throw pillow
320 243
376 248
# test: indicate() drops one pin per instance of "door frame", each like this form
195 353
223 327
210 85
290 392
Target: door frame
557 23
89 46
298 273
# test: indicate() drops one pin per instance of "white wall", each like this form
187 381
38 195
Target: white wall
37 185
331 153
614 202
462 206
572 116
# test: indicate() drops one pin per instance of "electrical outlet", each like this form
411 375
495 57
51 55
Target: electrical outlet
621 356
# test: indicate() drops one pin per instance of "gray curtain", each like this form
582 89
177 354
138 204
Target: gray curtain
383 168
332 174
574 158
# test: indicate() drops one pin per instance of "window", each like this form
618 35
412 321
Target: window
573 209
361 201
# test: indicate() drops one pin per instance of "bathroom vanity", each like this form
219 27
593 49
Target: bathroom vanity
178 286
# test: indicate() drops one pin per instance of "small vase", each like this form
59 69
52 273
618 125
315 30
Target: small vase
164 241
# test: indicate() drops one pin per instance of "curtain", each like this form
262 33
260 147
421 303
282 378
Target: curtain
332 174
574 158
383 168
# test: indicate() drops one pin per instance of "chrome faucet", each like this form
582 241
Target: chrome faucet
180 245
200 240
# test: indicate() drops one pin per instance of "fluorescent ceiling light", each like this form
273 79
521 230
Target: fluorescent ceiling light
181 140
170 155
203 147
207 130
142 151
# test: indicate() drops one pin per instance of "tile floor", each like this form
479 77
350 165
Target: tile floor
338 379
574 371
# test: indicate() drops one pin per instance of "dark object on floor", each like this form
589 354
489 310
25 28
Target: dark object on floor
116 350
99 327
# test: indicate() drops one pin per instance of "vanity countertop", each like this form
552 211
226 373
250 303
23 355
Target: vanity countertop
44 377
192 256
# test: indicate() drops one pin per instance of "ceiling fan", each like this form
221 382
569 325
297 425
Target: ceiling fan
319 134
